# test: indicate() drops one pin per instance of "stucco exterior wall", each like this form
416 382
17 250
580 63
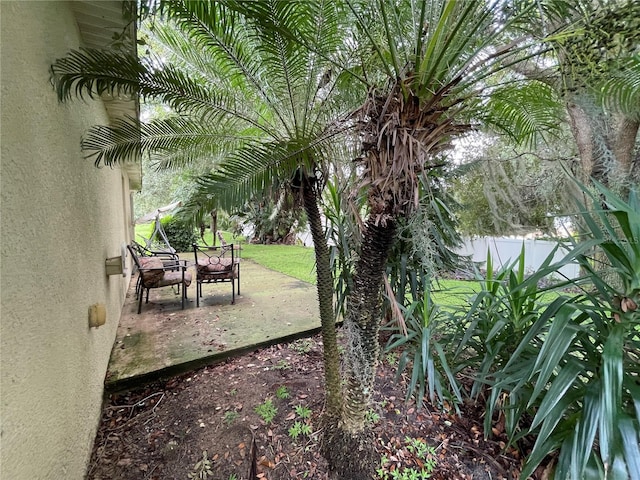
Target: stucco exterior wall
60 218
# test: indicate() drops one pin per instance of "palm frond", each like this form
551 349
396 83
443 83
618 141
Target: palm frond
173 141
93 72
247 172
524 112
621 90
96 72
218 30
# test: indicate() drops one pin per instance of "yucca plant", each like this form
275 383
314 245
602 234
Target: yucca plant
576 371
499 315
342 232
491 327
424 353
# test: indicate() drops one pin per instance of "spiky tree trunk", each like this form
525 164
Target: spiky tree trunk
331 356
349 449
363 322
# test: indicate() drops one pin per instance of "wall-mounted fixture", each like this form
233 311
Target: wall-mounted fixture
97 315
117 265
113 265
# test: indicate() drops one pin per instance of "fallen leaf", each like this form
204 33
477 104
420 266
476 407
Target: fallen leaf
265 462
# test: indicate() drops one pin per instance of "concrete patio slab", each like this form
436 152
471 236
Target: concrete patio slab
164 340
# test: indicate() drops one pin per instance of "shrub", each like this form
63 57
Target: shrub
180 236
424 354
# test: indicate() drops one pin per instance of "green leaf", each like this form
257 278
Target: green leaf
582 448
557 415
630 433
541 449
560 336
559 387
611 391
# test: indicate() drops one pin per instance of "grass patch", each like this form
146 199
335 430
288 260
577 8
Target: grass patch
454 293
292 260
145 230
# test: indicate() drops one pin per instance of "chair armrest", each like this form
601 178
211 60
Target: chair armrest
181 264
168 255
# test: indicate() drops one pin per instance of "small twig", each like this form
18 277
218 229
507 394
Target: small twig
137 404
148 475
153 410
157 403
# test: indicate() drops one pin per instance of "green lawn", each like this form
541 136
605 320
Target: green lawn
453 293
144 230
293 260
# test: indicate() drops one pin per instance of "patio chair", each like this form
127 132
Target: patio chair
145 256
216 265
153 273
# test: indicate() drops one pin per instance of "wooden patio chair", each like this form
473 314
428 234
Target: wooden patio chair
153 273
216 265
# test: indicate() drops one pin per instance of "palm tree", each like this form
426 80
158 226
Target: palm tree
428 63
246 97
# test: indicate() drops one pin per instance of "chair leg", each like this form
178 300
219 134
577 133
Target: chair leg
238 279
233 292
140 302
147 301
198 293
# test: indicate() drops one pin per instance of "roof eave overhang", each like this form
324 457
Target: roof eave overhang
100 23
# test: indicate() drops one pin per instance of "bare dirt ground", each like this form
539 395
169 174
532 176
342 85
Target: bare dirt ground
205 425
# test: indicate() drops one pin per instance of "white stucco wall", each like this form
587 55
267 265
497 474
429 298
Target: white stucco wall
60 218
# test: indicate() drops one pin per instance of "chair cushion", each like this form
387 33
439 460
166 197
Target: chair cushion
149 262
214 264
174 278
150 277
218 276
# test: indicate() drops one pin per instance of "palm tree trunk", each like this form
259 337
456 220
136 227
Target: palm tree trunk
349 449
363 323
214 225
331 356
605 146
